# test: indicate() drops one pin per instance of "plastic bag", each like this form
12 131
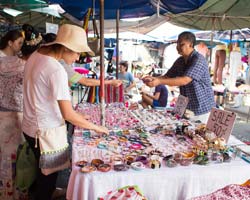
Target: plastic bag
25 167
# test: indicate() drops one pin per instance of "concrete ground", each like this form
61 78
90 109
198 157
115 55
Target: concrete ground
241 128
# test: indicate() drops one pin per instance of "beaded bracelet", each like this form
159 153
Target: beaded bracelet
121 167
171 163
96 162
88 169
142 159
81 163
137 166
102 146
122 139
104 167
117 160
154 162
129 159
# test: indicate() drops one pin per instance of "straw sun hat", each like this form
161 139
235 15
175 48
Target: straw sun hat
73 37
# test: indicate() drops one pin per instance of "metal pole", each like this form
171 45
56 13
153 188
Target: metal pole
211 40
102 99
230 43
117 42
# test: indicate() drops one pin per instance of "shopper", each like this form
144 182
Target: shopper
220 59
47 102
11 107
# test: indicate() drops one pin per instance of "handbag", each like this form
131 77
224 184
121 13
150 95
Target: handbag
54 149
93 42
25 167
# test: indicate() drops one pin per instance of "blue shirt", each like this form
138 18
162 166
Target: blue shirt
126 78
163 99
199 90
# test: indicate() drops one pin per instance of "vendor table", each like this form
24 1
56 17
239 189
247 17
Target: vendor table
160 184
178 183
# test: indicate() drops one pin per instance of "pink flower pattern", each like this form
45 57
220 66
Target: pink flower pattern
230 192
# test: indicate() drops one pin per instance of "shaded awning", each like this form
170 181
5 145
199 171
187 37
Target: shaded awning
128 8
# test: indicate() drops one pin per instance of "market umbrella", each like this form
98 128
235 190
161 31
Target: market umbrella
133 36
215 15
226 36
128 8
23 5
36 17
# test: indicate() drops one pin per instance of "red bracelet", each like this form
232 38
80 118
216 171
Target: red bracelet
136 146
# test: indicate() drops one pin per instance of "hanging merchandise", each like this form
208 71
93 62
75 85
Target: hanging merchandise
92 95
114 94
93 42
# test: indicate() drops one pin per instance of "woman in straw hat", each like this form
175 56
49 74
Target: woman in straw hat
47 101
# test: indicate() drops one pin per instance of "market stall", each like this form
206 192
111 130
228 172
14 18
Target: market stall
165 156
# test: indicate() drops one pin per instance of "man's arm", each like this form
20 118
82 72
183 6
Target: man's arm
163 80
177 81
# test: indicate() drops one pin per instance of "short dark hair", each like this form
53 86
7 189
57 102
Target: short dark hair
186 35
125 64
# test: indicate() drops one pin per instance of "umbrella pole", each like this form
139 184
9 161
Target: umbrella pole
102 63
211 42
230 44
117 42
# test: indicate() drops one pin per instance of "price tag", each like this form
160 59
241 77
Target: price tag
221 122
181 105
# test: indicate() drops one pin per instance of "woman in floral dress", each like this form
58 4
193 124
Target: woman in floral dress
11 107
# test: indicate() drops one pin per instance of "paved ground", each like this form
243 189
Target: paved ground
241 128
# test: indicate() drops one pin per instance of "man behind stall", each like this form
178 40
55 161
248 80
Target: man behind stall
189 72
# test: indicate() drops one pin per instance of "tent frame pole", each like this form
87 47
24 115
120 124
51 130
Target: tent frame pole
117 42
102 67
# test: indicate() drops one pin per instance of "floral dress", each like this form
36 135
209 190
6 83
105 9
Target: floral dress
11 105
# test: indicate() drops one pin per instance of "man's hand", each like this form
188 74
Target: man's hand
116 82
151 81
